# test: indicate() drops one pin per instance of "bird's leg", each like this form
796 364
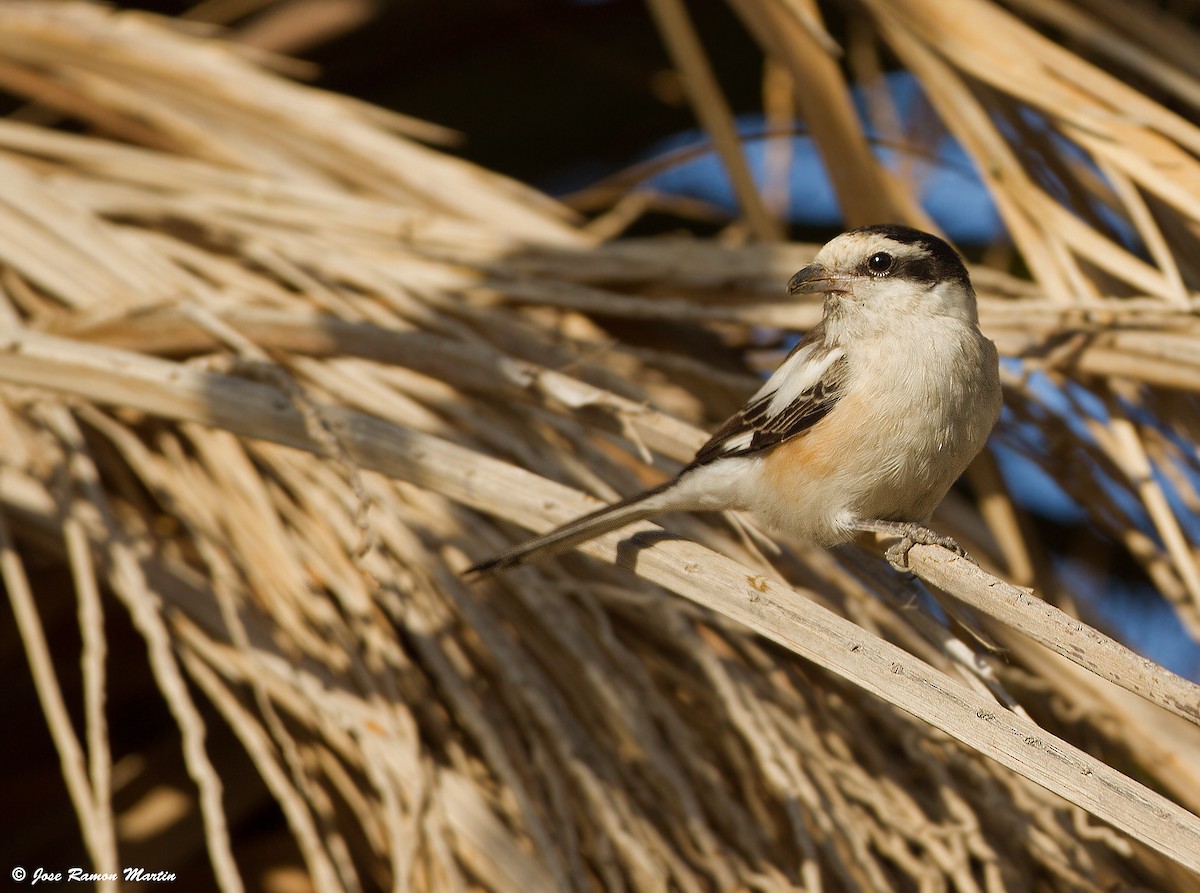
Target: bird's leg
911 534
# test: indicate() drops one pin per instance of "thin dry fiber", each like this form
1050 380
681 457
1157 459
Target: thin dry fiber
272 373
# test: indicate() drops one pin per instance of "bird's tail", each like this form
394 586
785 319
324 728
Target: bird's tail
589 526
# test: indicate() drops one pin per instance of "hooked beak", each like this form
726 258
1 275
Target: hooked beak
815 279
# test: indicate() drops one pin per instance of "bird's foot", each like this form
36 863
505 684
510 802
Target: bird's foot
910 534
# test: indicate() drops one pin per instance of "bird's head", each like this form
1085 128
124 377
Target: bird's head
881 276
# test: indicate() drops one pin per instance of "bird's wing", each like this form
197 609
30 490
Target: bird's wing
800 393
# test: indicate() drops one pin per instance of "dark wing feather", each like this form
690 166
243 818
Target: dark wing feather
767 430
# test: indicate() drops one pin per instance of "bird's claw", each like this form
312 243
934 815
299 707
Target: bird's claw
916 535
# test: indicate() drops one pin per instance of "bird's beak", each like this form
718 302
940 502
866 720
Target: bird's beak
815 279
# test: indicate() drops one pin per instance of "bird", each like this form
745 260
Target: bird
864 426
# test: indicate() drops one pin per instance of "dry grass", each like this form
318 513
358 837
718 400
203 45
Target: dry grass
273 374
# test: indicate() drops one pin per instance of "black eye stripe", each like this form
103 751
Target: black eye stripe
916 269
920 269
937 260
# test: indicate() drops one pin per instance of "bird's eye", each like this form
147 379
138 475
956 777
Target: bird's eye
880 263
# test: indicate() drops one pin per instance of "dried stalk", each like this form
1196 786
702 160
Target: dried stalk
261 412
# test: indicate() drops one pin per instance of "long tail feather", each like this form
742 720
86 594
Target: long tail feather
589 526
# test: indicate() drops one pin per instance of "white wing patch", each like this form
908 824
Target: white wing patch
802 391
798 374
738 442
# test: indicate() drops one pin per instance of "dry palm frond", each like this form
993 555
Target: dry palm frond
271 372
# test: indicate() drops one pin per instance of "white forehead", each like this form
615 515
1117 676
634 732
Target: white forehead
851 249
